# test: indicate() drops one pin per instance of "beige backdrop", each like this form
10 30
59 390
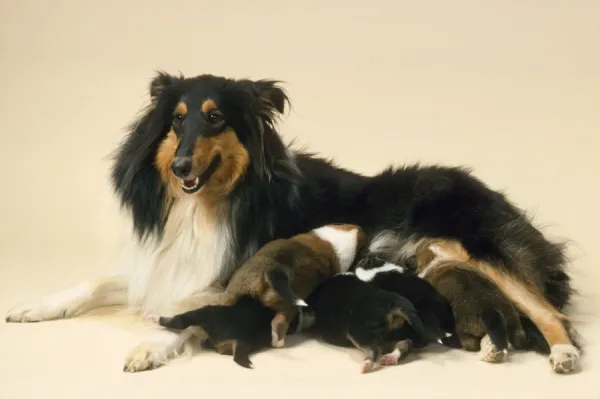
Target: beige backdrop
510 87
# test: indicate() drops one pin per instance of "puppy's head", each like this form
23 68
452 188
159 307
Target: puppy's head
346 240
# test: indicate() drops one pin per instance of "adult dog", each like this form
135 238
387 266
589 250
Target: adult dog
207 181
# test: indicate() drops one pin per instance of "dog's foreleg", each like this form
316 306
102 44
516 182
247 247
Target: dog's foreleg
85 296
165 345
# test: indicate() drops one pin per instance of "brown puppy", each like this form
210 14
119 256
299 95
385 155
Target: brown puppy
285 271
486 320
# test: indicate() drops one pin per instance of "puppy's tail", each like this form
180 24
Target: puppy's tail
280 283
494 325
405 308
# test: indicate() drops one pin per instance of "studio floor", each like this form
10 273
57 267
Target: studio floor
510 88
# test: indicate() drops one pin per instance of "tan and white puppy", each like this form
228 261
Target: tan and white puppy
285 271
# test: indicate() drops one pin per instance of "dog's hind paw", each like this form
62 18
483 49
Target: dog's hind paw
143 357
564 358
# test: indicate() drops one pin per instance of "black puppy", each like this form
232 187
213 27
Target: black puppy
349 311
434 309
237 330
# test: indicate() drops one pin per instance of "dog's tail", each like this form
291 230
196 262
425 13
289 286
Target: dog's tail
409 312
279 281
495 326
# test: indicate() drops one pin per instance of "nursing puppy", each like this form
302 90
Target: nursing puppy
237 330
486 320
349 311
285 271
434 309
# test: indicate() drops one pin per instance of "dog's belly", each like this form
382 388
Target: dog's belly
191 255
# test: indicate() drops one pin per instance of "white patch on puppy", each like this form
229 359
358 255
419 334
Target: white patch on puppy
344 243
368 274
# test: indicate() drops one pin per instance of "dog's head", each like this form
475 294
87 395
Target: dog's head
199 136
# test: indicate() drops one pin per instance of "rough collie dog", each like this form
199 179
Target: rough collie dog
207 181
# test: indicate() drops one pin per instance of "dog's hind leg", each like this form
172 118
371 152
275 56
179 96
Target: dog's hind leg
395 352
495 343
280 325
369 343
564 356
241 354
83 297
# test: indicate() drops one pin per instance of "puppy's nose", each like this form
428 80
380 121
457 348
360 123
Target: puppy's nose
182 166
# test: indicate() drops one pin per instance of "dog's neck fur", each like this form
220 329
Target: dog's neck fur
193 252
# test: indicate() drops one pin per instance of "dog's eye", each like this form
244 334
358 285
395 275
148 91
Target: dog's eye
215 117
178 117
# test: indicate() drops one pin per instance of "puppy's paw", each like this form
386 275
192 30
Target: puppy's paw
564 358
276 340
392 358
152 318
368 366
490 353
42 310
146 356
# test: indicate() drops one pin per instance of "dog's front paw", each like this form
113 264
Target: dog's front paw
564 358
37 311
146 356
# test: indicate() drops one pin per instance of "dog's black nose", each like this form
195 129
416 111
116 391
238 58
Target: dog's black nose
182 166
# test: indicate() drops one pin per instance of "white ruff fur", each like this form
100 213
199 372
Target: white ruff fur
190 257
344 243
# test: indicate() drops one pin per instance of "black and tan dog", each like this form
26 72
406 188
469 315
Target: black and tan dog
238 329
350 312
486 320
285 271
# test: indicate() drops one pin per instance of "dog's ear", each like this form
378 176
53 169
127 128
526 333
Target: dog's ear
272 95
160 82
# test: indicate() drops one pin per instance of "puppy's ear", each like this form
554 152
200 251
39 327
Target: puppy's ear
396 318
272 95
161 81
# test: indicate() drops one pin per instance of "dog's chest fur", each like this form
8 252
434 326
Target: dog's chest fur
192 254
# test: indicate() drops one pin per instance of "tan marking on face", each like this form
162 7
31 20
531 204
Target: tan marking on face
234 163
208 106
164 160
181 109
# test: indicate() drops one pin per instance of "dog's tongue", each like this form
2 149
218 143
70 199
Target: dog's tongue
189 183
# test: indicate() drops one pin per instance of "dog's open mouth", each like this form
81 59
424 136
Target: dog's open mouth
191 186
